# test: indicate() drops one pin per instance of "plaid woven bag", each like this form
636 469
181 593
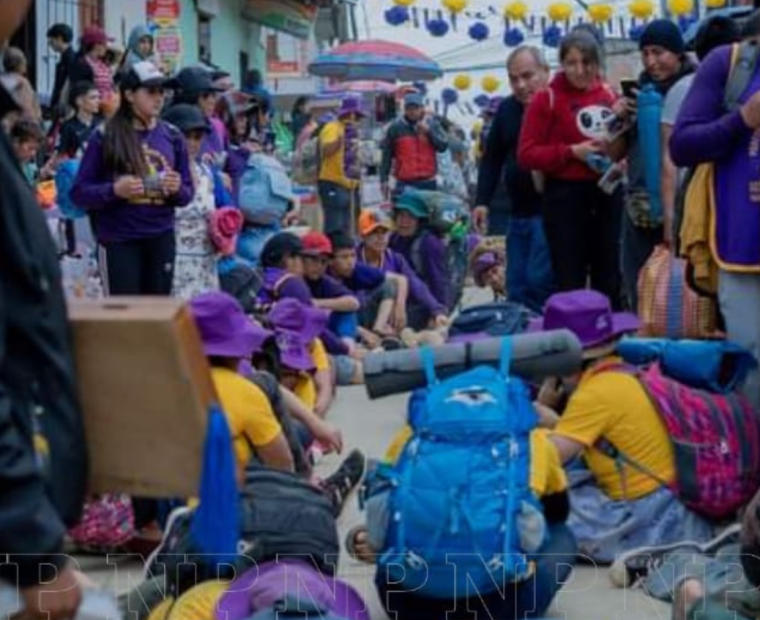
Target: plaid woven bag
668 308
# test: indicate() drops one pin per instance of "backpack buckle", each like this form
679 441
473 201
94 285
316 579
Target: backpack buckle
414 561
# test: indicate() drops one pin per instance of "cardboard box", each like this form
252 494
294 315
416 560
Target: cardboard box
145 389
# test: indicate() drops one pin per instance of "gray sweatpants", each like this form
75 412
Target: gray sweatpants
739 296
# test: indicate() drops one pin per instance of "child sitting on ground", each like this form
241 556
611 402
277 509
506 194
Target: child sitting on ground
382 295
327 292
423 310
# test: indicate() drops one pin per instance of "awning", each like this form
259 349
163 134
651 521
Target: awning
294 17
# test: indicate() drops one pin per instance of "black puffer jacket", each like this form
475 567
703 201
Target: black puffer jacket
37 388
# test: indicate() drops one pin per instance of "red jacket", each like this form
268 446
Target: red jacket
559 118
411 155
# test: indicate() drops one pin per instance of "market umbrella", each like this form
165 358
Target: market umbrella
375 60
362 86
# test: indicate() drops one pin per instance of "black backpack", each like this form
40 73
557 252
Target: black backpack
280 515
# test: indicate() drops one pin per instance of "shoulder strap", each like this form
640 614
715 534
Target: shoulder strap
428 364
505 356
278 285
743 63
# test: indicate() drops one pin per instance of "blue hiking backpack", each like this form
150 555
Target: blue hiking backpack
65 175
265 190
462 485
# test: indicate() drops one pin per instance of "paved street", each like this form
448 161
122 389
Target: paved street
369 426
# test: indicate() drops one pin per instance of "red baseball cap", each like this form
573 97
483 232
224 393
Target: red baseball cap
316 244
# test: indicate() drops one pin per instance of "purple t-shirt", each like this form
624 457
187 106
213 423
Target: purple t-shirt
706 132
418 291
431 254
327 287
364 278
117 220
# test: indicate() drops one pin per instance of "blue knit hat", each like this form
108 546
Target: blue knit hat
663 33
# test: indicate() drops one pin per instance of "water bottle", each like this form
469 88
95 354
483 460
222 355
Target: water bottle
648 119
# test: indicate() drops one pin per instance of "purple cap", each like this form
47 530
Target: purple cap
292 315
588 315
351 105
225 329
294 350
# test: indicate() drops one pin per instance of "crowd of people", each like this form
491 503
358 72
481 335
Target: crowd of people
171 186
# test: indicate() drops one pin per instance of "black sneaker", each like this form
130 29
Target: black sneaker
339 487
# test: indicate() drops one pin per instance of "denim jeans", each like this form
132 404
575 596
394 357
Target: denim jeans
529 598
340 207
530 278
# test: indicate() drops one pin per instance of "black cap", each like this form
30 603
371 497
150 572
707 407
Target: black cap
279 247
187 118
193 80
716 31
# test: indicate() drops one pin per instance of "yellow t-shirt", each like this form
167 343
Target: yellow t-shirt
306 389
249 414
614 405
547 475
331 167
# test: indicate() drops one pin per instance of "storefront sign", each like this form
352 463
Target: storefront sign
286 55
163 9
163 18
291 16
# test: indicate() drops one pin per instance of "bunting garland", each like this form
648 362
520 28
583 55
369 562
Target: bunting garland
517 22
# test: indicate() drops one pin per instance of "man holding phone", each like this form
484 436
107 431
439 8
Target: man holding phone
410 148
663 54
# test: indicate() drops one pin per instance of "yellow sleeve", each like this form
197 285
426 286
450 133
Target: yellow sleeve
547 476
589 414
398 443
319 355
260 426
306 390
329 134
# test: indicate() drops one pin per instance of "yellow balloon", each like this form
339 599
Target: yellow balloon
641 9
560 11
600 13
490 84
462 82
516 10
680 7
404 2
455 6
715 4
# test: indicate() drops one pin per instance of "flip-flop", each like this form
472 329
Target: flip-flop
351 544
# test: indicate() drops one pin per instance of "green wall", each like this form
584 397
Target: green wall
230 35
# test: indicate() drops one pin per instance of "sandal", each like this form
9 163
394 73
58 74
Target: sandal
352 544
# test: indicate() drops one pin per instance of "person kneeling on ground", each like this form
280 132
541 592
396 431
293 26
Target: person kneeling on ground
382 295
615 507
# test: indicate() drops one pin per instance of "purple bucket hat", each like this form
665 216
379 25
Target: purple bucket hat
483 263
292 315
294 350
225 329
588 314
351 105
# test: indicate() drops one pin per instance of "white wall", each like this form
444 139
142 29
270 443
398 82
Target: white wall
121 16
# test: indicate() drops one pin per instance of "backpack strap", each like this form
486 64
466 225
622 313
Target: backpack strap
743 63
428 364
505 356
279 284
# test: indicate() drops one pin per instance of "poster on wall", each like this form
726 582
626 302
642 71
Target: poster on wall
163 20
286 55
291 16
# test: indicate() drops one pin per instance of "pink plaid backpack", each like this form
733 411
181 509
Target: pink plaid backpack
715 438
108 521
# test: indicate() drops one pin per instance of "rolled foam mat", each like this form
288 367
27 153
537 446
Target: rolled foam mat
534 357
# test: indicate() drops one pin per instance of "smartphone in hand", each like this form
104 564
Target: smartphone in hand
628 87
